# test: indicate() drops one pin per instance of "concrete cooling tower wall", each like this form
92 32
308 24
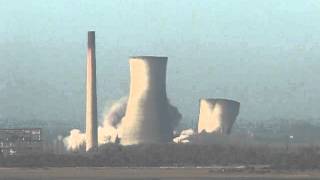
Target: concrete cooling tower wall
146 118
217 115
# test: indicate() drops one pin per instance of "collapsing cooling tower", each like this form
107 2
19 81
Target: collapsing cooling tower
91 95
146 119
217 115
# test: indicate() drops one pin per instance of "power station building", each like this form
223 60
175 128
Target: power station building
20 141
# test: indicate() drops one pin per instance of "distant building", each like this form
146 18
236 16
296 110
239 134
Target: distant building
20 141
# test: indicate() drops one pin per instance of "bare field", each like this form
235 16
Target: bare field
87 173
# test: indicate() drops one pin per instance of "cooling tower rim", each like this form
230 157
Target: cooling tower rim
219 99
156 58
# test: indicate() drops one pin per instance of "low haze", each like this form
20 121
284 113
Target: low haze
264 54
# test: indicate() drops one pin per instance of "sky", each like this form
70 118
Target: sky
264 54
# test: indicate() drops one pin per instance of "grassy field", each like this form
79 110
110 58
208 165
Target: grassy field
87 173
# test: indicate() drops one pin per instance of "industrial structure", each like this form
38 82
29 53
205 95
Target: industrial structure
217 115
91 95
147 113
20 141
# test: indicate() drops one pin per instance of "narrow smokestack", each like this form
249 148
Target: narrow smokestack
217 115
146 119
91 95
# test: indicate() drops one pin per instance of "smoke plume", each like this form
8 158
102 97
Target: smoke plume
110 129
75 140
116 112
185 136
111 126
174 116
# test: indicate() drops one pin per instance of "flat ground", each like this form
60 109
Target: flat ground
88 173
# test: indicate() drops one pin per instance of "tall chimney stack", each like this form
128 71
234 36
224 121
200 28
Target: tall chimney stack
91 95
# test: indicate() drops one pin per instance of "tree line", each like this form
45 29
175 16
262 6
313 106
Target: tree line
180 155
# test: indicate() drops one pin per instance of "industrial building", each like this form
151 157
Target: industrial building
20 141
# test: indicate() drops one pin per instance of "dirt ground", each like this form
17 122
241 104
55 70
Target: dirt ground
87 173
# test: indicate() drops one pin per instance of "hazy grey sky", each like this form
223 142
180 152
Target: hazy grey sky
264 54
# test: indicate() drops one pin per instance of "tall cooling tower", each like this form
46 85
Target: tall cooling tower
217 115
146 118
91 95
